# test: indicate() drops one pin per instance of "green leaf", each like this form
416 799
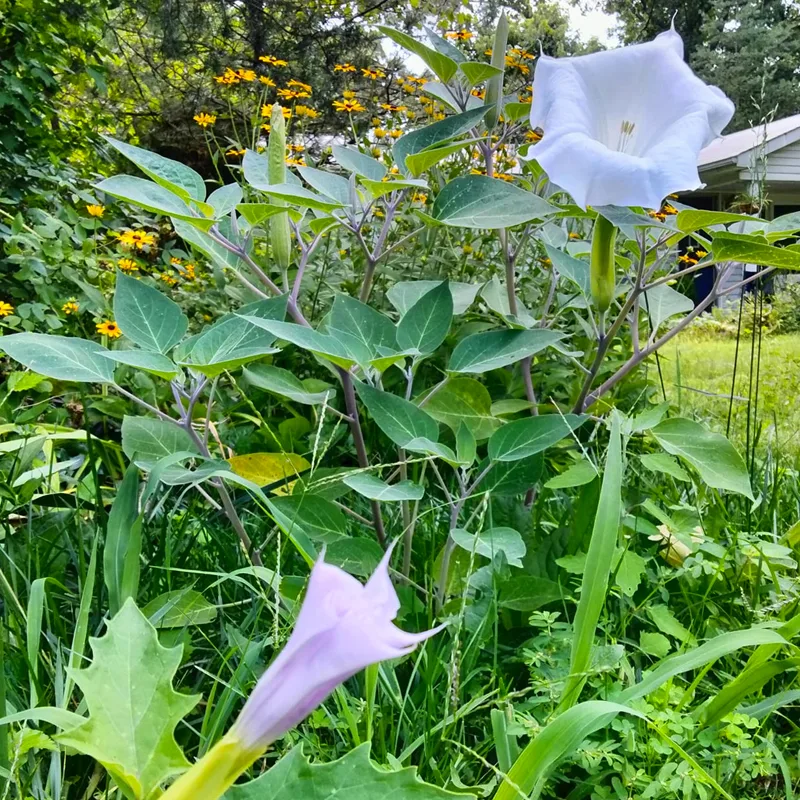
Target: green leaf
356 556
298 196
482 352
490 542
477 201
225 199
221 256
374 488
255 213
478 71
630 570
429 448
172 175
463 401
507 478
269 469
316 517
133 709
668 623
495 295
353 777
693 220
355 161
441 65
147 317
711 454
466 445
123 542
380 188
443 46
579 474
753 250
439 132
322 344
155 363
555 741
661 462
571 268
599 561
284 383
361 328
399 419
61 357
524 437
146 440
179 609
404 294
654 644
424 327
151 197
494 86
528 593
698 657
662 302
236 339
334 186
421 162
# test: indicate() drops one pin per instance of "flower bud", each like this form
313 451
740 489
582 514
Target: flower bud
602 279
280 235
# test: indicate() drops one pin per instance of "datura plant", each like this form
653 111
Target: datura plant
419 393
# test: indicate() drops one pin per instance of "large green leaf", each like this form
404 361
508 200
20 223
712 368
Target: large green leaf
352 777
298 196
361 328
421 162
437 133
463 401
442 66
123 545
179 609
133 709
155 363
355 161
599 562
753 250
225 199
316 517
147 440
329 183
236 339
284 383
206 244
404 294
146 316
508 478
399 419
698 657
478 71
477 201
571 268
170 174
151 197
425 325
555 741
373 488
663 302
711 454
482 352
524 437
343 354
492 541
61 357
693 220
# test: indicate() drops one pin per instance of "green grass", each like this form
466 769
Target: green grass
698 372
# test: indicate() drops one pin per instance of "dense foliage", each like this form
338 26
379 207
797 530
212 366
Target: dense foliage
379 324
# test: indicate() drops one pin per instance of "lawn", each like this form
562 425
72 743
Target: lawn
697 374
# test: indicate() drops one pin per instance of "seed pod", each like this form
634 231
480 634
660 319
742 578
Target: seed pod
602 278
280 234
494 86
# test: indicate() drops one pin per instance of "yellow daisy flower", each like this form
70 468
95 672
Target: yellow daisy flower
344 68
373 73
95 210
348 106
6 309
127 265
204 120
137 239
70 307
109 328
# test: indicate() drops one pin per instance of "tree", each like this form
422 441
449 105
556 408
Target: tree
752 51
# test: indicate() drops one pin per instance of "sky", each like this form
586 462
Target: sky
591 23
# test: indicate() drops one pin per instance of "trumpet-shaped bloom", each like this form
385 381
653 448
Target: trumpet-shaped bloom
343 627
624 127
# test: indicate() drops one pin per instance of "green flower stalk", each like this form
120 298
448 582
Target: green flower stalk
342 628
602 277
279 233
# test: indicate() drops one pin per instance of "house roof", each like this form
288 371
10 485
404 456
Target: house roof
730 149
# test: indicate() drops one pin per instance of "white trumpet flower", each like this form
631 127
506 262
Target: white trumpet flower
624 127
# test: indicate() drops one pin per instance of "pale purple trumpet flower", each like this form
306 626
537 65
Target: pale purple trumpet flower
343 627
